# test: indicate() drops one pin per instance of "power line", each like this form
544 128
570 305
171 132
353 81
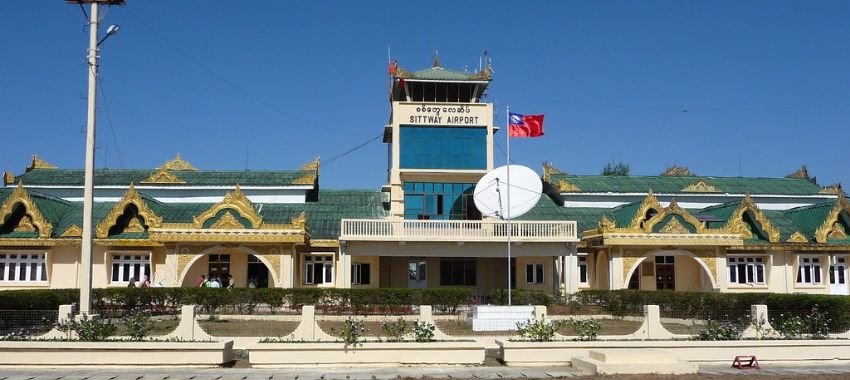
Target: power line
352 150
226 81
109 120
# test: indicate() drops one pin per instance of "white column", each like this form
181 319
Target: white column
88 190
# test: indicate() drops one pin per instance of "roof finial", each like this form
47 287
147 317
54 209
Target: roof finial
437 59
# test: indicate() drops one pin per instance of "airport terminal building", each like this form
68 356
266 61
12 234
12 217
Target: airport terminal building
674 231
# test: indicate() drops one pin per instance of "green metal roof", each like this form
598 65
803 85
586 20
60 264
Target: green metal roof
807 219
674 185
439 73
123 177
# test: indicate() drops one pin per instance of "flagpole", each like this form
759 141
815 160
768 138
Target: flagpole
508 138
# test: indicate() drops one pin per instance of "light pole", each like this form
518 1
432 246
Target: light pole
88 190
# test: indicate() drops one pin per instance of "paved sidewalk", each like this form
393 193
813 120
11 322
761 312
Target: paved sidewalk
386 373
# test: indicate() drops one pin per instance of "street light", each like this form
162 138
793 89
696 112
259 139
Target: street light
88 187
112 29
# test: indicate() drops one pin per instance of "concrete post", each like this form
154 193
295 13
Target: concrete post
652 328
759 323
65 313
539 312
426 313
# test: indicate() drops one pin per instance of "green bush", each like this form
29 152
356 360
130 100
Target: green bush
835 309
521 297
38 299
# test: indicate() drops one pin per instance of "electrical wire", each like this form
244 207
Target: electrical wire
230 83
352 150
109 120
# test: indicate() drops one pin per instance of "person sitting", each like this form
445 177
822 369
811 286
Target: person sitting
145 282
215 283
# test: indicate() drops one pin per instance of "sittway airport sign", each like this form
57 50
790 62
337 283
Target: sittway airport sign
465 115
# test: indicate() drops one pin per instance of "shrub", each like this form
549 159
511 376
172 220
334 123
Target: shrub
89 329
423 331
351 332
586 329
720 330
395 331
138 325
537 331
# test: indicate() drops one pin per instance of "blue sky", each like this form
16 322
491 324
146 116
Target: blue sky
726 88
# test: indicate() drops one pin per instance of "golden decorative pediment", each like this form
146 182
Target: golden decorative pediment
177 163
309 179
649 203
227 221
299 221
837 232
677 171
736 223
25 225
801 173
606 224
567 187
235 200
549 170
827 227
324 243
834 189
135 226
8 178
674 209
163 176
797 237
38 163
33 215
674 227
700 187
73 231
130 197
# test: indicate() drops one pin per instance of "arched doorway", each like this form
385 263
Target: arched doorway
243 263
670 270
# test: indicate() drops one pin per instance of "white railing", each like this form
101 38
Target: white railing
456 230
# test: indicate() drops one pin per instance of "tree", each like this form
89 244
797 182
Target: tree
620 169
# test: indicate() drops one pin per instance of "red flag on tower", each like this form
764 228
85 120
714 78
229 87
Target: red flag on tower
525 125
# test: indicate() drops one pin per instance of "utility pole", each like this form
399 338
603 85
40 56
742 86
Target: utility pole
85 280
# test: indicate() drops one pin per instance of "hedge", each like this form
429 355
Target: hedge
694 304
241 300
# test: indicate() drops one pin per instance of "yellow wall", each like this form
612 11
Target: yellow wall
63 267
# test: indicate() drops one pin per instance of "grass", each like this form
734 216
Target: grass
461 328
609 327
227 327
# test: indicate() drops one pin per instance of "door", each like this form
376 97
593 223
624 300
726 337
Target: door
417 274
838 276
665 273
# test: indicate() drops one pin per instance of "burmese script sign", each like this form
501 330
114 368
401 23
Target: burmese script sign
444 114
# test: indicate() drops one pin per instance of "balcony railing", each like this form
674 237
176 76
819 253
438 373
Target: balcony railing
457 230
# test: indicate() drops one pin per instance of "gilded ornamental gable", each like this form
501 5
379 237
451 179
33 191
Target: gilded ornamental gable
549 170
177 163
649 207
234 200
833 226
122 215
163 176
8 178
748 216
700 187
38 163
19 208
312 168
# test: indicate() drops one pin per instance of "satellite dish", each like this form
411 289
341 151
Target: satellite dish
491 192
